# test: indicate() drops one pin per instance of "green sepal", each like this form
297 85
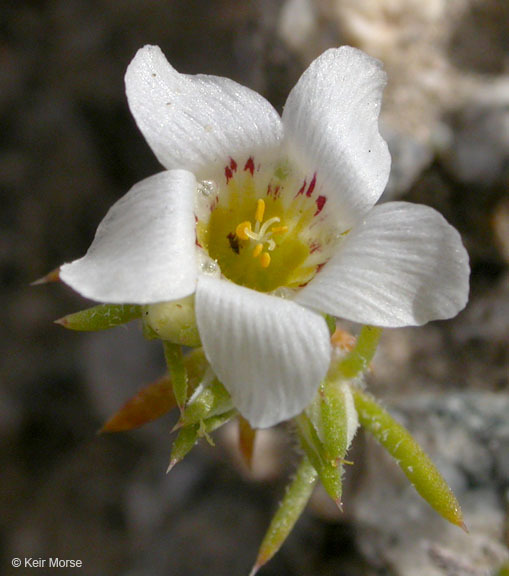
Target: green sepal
297 495
359 359
328 470
100 317
178 373
211 401
334 420
410 457
188 436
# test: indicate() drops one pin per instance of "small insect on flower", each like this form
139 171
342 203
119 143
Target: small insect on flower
268 223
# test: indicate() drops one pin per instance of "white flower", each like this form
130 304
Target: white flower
271 222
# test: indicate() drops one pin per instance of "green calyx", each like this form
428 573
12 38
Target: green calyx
173 321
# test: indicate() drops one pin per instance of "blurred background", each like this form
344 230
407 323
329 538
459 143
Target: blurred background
69 149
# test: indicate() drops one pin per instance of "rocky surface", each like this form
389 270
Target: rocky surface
70 149
468 436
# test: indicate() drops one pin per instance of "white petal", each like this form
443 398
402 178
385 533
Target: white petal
197 122
331 128
144 249
271 354
404 265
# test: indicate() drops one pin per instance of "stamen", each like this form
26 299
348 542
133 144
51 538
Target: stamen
261 233
243 229
260 210
258 250
265 260
250 234
266 226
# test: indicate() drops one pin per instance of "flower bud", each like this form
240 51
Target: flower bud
174 321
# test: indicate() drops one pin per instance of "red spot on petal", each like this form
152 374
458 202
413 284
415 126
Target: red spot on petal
314 246
228 173
233 165
312 185
249 167
320 203
302 188
277 190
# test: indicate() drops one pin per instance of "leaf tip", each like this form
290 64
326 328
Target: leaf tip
256 567
109 426
53 276
171 465
177 426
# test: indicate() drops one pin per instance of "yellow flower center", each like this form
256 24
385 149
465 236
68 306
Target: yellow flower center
262 233
261 229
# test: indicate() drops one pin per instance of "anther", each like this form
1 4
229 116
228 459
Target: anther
258 250
265 260
260 210
243 229
279 229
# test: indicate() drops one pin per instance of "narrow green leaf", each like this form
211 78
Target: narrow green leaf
328 470
359 359
100 317
183 444
334 421
188 436
214 422
178 373
411 458
297 495
196 364
211 401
